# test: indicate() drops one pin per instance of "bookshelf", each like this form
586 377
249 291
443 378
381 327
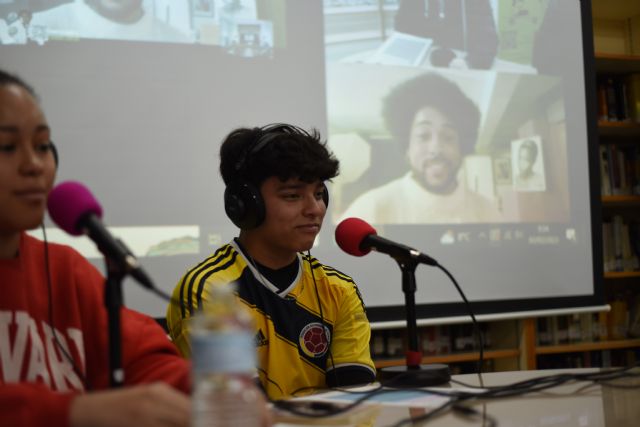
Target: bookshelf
455 357
621 135
454 345
588 346
617 53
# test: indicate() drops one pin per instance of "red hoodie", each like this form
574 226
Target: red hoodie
37 382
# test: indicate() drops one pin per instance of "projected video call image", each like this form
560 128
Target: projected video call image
444 147
235 25
484 34
427 117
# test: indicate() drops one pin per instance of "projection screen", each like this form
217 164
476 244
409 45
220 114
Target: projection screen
140 93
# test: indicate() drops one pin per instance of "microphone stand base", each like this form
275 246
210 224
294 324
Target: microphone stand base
415 376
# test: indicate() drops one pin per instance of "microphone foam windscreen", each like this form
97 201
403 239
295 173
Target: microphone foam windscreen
68 202
350 233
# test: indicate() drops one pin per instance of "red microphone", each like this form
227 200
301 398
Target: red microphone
350 233
357 237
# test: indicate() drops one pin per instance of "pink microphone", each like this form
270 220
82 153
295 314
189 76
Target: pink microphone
68 203
74 209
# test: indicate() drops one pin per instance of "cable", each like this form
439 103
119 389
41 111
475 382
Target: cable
476 326
315 285
456 397
472 413
58 343
56 339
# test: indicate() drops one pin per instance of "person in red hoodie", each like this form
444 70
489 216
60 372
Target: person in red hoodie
53 325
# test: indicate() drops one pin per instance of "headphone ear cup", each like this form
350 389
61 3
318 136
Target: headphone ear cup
243 205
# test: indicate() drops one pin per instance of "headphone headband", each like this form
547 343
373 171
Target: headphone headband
243 201
267 134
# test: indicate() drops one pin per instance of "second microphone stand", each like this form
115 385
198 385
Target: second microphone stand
113 302
414 374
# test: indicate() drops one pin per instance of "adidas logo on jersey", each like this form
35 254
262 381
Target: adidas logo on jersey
260 339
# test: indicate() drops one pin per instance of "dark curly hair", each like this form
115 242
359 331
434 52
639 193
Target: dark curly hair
281 150
402 103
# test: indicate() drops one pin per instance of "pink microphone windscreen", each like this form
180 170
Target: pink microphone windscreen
350 233
68 202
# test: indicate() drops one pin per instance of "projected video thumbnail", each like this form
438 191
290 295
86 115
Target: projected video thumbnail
240 27
445 112
499 35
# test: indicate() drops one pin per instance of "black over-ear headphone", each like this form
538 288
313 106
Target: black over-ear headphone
243 201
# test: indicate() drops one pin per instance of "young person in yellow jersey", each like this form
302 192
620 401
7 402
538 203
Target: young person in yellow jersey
312 331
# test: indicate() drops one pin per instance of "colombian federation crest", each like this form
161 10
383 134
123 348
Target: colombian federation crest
314 339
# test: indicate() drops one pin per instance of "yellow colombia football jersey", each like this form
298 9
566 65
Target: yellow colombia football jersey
292 351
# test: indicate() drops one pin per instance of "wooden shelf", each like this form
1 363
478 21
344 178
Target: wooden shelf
620 200
588 346
614 9
615 275
613 63
453 358
619 129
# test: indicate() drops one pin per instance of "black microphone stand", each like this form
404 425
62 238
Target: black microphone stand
414 374
113 302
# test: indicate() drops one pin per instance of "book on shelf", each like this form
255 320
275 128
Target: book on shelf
603 330
603 111
378 345
544 331
633 96
395 344
618 324
462 337
589 359
435 340
620 246
432 340
567 329
618 98
605 177
619 170
612 102
634 316
561 330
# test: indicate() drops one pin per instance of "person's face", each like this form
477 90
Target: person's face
525 160
434 150
27 167
294 213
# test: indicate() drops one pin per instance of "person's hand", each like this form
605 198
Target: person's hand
152 405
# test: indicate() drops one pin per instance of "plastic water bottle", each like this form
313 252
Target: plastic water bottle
224 362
